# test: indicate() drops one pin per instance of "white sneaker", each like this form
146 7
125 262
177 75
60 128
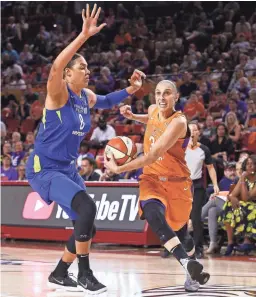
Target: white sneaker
191 285
195 270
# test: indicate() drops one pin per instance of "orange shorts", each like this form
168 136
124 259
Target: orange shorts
176 196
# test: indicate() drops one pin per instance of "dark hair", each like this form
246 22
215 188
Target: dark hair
91 161
72 62
223 125
244 164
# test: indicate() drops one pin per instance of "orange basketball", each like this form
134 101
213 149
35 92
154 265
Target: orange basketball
123 149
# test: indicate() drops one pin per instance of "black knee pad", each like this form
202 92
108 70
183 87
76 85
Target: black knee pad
154 214
86 209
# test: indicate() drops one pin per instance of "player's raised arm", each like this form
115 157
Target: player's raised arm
114 98
55 82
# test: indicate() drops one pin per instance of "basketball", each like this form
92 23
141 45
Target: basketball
123 149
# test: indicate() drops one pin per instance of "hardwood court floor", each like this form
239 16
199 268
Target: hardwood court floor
127 272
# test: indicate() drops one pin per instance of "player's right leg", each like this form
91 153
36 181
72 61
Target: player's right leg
68 193
59 187
154 213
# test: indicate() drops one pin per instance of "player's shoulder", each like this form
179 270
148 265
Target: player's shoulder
204 148
151 109
91 96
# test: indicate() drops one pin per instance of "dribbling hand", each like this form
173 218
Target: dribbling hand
110 163
126 111
90 21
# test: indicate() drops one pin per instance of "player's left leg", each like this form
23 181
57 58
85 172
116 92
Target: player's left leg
154 213
60 278
187 241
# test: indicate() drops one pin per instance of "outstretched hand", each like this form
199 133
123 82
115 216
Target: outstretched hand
90 21
136 78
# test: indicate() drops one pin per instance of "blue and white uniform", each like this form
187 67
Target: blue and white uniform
51 168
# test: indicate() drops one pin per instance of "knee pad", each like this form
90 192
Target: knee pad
86 209
154 214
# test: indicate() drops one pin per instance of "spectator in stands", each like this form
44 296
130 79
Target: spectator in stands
7 148
21 172
243 88
16 137
84 153
7 171
30 95
224 82
3 131
110 176
29 143
105 84
123 38
12 69
194 110
251 117
23 109
212 209
17 82
238 216
26 56
187 87
217 105
222 146
243 27
234 129
233 105
102 134
140 61
18 154
87 172
209 131
12 53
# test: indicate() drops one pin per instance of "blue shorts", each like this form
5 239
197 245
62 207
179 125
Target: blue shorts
59 186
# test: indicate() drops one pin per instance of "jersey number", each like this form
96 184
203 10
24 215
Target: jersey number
82 124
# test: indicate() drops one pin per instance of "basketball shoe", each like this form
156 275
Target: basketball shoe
63 283
195 270
87 282
191 285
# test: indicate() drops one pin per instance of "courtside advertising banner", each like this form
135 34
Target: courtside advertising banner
117 209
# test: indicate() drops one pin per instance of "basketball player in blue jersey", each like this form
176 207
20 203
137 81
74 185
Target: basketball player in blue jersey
51 168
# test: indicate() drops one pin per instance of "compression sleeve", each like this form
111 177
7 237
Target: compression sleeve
111 99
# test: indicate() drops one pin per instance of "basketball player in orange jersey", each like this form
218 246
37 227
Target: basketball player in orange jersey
165 187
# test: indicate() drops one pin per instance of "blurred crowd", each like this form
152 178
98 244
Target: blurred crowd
209 52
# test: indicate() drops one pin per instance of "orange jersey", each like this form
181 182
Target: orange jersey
172 163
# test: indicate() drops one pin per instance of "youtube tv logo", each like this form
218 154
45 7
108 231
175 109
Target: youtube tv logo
35 208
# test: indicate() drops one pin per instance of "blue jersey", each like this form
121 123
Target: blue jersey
62 130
